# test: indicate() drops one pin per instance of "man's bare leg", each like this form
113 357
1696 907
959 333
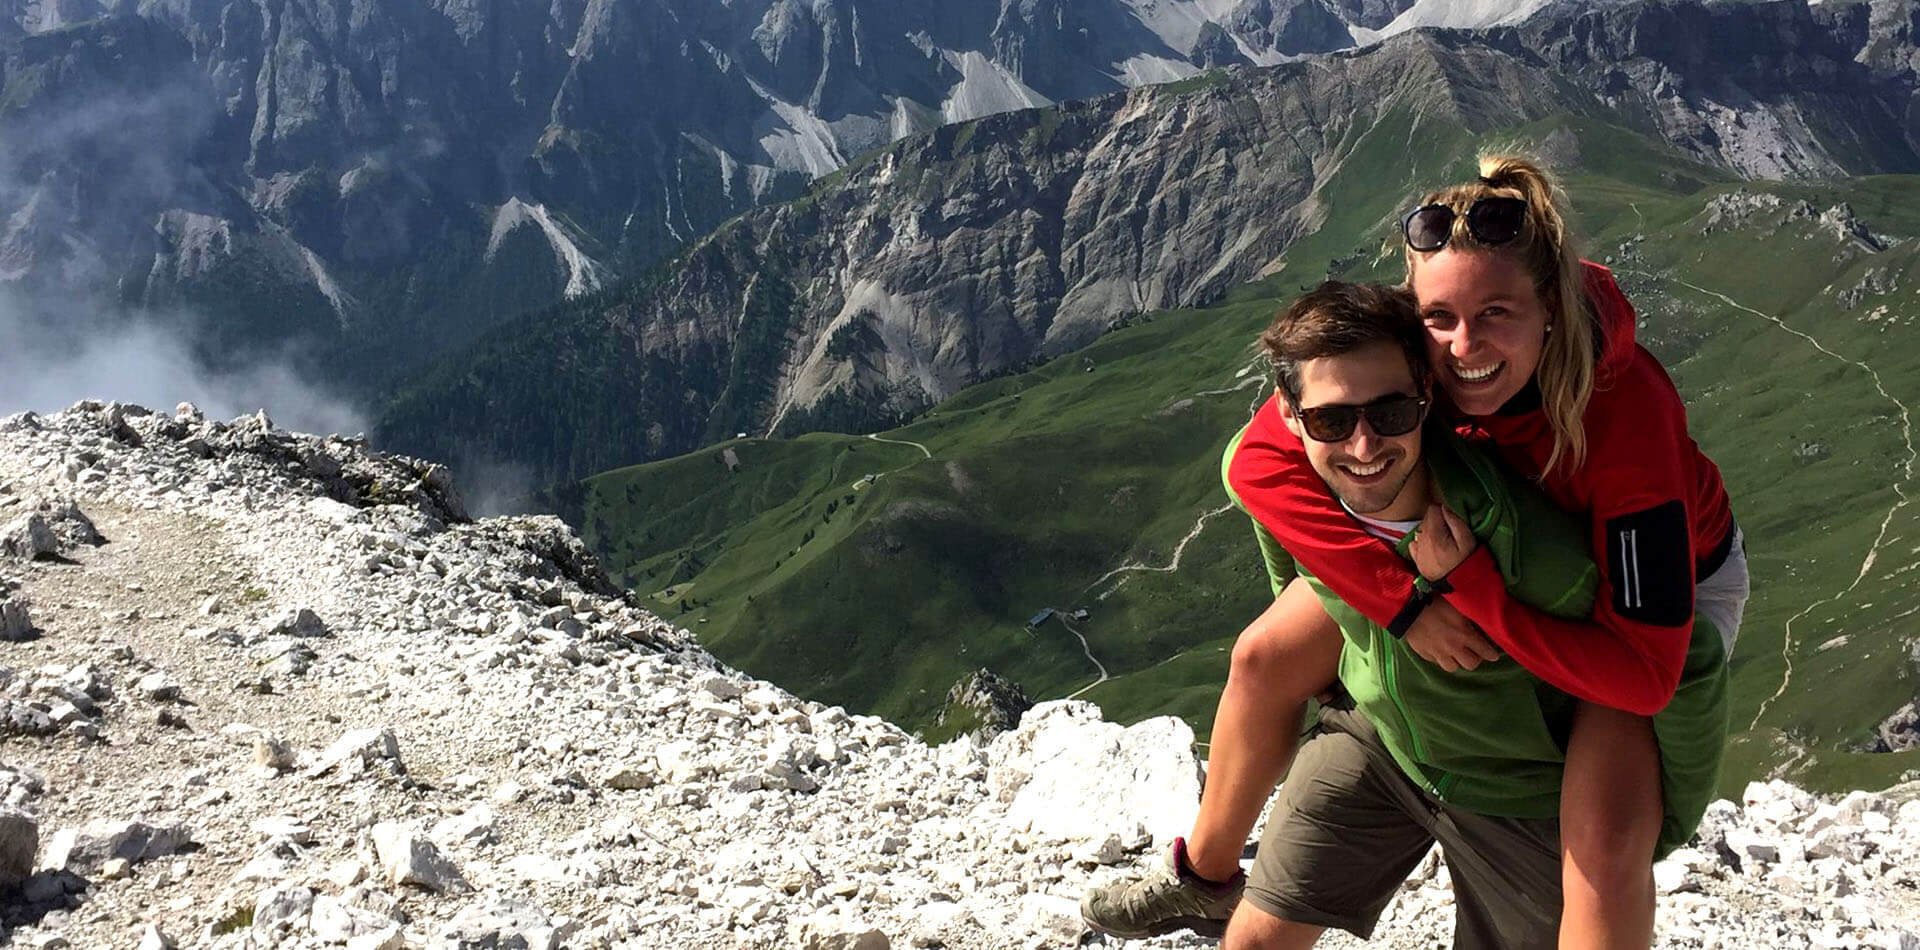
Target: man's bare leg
1610 814
1288 655
1255 929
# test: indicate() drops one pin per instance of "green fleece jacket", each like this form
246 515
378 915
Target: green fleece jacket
1493 740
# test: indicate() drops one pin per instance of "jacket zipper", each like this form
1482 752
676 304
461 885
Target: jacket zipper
1393 692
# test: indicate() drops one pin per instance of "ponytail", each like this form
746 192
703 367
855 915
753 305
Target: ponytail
1545 247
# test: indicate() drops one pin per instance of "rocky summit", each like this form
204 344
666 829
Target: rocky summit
266 689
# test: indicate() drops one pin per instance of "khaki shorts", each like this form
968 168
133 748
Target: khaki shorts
1349 827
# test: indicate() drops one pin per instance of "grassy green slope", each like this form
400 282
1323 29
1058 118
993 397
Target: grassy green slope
1804 401
1076 484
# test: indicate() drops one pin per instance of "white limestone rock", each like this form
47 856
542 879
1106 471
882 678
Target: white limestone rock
284 827
336 920
1752 846
833 930
1672 876
506 922
473 826
357 751
158 687
341 875
82 850
407 857
1066 773
280 910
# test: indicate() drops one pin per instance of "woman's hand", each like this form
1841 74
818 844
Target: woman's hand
1443 541
1447 640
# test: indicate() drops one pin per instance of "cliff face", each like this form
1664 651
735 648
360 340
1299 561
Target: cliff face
450 163
953 256
1774 90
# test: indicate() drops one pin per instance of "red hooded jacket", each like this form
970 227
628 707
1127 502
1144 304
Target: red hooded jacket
1660 519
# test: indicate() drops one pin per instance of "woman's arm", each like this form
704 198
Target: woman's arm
1629 654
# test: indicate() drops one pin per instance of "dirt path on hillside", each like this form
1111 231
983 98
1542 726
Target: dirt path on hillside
1881 539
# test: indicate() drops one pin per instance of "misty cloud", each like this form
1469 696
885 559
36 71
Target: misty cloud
103 136
46 365
111 130
491 487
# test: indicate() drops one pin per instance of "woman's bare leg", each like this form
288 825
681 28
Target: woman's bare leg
1288 655
1255 929
1610 814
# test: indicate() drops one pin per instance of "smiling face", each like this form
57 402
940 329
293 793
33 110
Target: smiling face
1486 325
1371 473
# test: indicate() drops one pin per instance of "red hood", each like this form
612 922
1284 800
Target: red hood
1616 317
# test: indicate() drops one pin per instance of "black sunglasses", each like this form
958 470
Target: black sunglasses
1387 417
1491 220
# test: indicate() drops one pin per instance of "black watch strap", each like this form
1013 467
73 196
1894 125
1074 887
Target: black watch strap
1423 593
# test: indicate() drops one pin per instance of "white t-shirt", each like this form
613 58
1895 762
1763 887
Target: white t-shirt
1385 530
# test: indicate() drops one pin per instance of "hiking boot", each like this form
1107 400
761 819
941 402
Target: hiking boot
1165 899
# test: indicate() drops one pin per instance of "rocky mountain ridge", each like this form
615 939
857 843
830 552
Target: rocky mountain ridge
347 162
978 249
294 698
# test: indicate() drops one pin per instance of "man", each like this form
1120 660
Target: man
1471 759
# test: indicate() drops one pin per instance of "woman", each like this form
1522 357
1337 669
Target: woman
1535 353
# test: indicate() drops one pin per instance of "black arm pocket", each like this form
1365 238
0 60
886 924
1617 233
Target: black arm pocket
1649 560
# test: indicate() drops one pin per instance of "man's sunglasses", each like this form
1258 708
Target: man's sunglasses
1388 417
1491 220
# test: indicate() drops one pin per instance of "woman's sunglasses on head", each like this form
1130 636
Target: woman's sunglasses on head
1388 417
1491 220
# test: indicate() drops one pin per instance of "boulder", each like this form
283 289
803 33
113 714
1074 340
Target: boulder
16 624
296 622
336 920
281 909
836 931
358 750
153 938
28 537
158 687
631 776
407 857
82 850
19 844
1067 773
508 924
475 825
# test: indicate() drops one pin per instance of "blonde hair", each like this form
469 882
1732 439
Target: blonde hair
1545 247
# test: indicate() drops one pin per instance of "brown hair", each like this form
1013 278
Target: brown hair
1339 317
1545 247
